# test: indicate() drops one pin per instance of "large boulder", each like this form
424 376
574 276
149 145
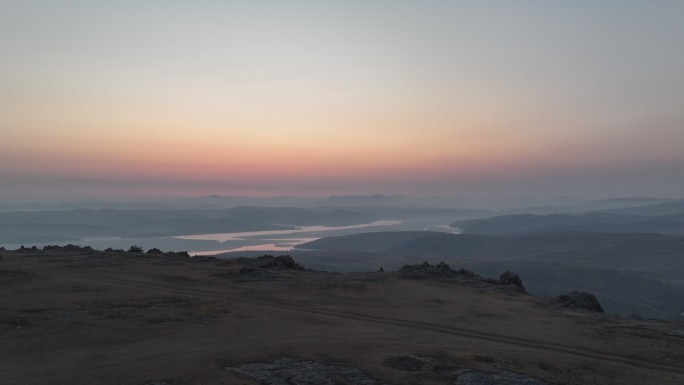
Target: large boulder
511 278
580 300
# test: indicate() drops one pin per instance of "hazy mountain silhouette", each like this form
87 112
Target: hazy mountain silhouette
631 273
604 222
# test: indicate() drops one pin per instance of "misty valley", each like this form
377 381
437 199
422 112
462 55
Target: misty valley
516 295
628 252
341 192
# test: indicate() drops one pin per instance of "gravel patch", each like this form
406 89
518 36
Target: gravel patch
499 378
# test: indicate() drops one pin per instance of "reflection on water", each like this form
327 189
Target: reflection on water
274 240
223 237
264 247
445 229
284 244
288 245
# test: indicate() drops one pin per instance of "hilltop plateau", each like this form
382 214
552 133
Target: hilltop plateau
81 316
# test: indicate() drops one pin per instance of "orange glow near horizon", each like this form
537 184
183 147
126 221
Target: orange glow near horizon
190 158
360 97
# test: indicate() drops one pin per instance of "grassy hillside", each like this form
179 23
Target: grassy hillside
632 273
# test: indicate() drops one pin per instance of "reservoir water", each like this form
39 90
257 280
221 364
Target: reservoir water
279 240
272 240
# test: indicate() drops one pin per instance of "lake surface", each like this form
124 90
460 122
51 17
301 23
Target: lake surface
271 240
224 237
281 245
278 240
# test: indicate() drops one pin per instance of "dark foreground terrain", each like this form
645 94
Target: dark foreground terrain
629 273
92 317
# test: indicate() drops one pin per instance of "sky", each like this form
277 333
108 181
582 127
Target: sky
103 99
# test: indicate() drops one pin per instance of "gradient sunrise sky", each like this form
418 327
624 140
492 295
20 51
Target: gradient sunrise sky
102 99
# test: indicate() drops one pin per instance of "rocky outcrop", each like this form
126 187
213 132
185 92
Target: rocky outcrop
281 262
511 278
426 270
68 247
579 300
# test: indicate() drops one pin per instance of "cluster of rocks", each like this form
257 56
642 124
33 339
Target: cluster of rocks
68 247
580 300
426 270
156 251
132 249
512 279
153 251
259 267
287 371
442 270
498 378
281 262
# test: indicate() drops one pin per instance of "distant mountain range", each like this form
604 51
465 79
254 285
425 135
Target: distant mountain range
603 222
666 208
601 250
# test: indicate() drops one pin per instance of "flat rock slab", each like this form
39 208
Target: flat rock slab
499 378
287 371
